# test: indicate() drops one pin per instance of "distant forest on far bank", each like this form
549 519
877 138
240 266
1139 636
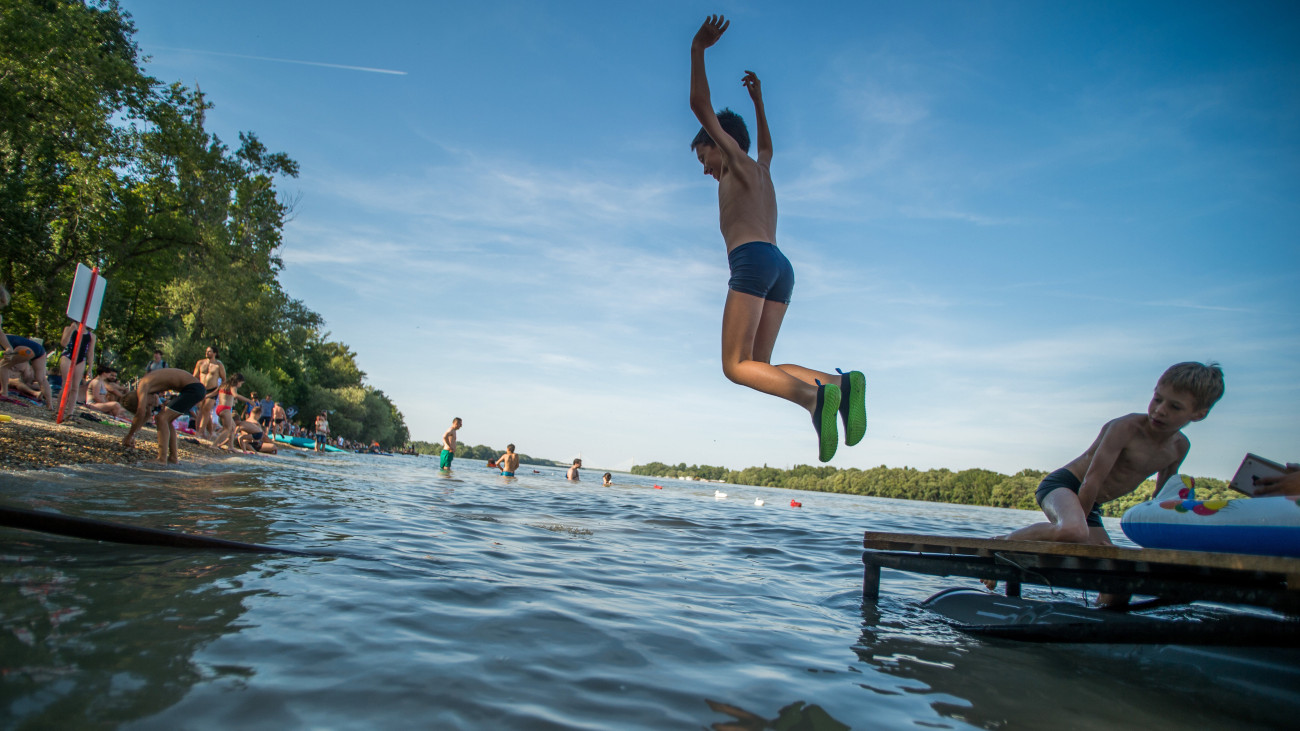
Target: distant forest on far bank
482 452
968 487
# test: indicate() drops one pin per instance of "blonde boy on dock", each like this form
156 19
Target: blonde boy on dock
1126 452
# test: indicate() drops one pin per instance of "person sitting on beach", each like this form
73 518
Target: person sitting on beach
23 356
156 363
448 445
762 279
103 393
1126 452
226 397
573 470
72 369
606 479
322 434
190 391
252 437
211 372
508 462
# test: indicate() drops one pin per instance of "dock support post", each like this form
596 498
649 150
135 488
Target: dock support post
1013 588
870 581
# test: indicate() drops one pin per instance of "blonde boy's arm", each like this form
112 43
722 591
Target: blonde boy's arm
1172 468
1115 435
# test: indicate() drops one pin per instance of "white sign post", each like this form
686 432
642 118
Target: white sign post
83 307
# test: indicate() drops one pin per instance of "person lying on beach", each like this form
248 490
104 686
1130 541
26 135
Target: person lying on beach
762 279
74 370
103 393
448 445
23 356
252 437
1126 452
189 390
573 470
508 462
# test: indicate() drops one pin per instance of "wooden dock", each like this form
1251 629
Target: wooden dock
1173 576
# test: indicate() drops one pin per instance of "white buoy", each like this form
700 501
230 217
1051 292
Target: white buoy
758 501
719 494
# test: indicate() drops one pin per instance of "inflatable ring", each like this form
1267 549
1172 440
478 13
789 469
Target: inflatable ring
1174 518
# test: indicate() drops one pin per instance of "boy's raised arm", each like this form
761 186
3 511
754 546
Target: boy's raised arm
701 100
755 87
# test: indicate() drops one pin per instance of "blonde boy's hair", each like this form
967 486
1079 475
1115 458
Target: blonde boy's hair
1204 381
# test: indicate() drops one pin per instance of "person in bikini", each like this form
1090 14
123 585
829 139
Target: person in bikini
103 393
211 372
141 401
252 437
508 462
73 370
762 279
226 397
1128 450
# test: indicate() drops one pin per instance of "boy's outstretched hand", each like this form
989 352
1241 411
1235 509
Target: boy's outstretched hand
709 33
752 83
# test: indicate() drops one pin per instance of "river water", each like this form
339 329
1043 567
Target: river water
472 601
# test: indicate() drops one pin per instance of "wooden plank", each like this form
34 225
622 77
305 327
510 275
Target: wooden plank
965 545
1186 584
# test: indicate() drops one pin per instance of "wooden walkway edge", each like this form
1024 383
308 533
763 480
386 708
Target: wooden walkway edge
1179 576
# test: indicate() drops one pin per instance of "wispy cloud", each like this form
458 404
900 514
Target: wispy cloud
284 60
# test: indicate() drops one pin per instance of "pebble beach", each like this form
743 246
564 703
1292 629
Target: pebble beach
31 439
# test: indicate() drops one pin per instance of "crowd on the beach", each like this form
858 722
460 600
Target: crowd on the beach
203 403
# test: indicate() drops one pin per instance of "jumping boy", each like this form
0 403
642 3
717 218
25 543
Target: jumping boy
1126 452
761 277
141 401
449 445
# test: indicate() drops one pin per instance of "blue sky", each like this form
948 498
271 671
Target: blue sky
1013 216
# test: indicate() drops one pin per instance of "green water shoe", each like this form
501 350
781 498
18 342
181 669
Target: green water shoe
853 405
824 418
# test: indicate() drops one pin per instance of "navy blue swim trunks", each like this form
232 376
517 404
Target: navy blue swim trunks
760 269
1065 478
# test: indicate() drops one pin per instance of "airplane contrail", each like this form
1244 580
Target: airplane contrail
287 60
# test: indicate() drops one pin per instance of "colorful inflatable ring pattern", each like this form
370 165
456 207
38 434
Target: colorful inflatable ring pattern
1174 518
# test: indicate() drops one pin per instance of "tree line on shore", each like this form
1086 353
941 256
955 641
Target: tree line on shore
967 487
102 164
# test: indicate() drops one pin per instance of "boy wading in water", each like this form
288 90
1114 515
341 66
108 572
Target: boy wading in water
761 277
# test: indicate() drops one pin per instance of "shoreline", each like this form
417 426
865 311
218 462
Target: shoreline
31 440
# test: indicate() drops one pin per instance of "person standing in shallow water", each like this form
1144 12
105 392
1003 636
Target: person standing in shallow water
762 279
573 471
449 445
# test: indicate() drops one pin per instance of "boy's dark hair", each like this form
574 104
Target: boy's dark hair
732 124
1204 381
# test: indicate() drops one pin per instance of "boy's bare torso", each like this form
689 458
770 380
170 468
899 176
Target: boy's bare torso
449 440
746 203
509 462
1145 453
